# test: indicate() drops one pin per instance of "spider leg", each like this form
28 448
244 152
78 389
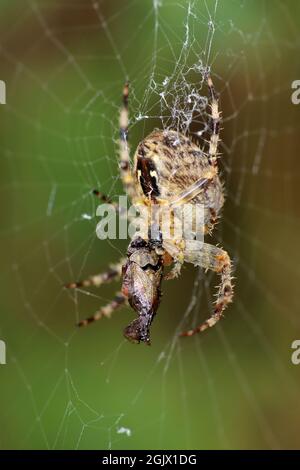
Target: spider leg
175 271
104 198
107 200
214 258
193 190
173 255
112 274
105 311
215 119
126 174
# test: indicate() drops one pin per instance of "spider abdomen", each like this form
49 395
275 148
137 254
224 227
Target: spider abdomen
167 162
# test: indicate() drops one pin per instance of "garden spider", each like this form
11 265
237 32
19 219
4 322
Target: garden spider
168 168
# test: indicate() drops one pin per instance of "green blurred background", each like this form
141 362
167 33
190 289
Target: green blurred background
64 64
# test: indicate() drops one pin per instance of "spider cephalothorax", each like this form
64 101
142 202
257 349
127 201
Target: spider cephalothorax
169 170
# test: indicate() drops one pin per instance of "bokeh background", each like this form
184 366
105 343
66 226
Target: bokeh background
64 64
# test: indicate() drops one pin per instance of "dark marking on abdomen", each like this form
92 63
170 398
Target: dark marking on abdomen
148 181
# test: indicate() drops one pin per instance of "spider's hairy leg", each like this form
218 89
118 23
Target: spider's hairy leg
173 255
188 194
126 174
214 258
107 200
175 271
105 311
215 119
104 198
112 274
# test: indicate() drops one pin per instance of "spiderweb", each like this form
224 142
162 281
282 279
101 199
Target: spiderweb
64 64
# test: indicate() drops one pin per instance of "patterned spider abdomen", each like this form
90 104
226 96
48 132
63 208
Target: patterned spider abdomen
167 162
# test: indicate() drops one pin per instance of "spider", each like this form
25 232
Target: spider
168 168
